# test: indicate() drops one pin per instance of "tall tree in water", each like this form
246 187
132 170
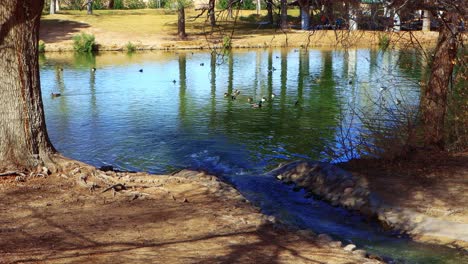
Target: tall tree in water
24 143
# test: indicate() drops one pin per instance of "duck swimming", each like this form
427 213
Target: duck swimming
56 94
257 105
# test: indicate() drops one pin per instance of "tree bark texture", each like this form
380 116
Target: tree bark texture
211 12
24 142
181 22
434 101
284 14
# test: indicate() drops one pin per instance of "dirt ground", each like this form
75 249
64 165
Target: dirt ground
427 193
83 215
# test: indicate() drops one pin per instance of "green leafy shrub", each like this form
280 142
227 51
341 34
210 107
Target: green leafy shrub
246 4
84 42
119 4
131 47
41 46
135 4
227 43
98 4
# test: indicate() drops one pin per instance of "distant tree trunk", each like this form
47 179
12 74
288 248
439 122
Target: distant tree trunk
258 7
230 8
434 101
57 6
305 14
52 7
89 7
353 25
396 22
111 4
284 14
211 12
24 143
181 22
426 26
269 6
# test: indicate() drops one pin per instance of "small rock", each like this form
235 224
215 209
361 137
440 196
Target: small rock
20 178
372 256
271 219
306 233
48 204
324 238
185 200
360 252
335 244
279 177
348 191
45 171
350 247
106 168
75 171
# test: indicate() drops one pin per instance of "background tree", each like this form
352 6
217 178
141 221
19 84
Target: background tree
52 7
284 14
211 12
180 6
451 15
89 7
24 143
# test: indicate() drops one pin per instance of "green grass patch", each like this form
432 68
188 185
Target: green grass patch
84 43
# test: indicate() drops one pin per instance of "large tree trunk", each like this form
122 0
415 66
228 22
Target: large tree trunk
111 4
181 22
434 101
24 143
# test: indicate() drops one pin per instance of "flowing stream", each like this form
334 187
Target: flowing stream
163 111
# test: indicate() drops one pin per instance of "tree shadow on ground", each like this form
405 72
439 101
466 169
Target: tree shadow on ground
56 30
62 242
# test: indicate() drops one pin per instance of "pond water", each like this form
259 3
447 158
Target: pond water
163 111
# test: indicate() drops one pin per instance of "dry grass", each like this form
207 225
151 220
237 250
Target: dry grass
157 29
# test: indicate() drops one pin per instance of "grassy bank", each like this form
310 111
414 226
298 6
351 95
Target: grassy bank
156 29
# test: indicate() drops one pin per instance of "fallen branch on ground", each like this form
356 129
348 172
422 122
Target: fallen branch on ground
12 173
